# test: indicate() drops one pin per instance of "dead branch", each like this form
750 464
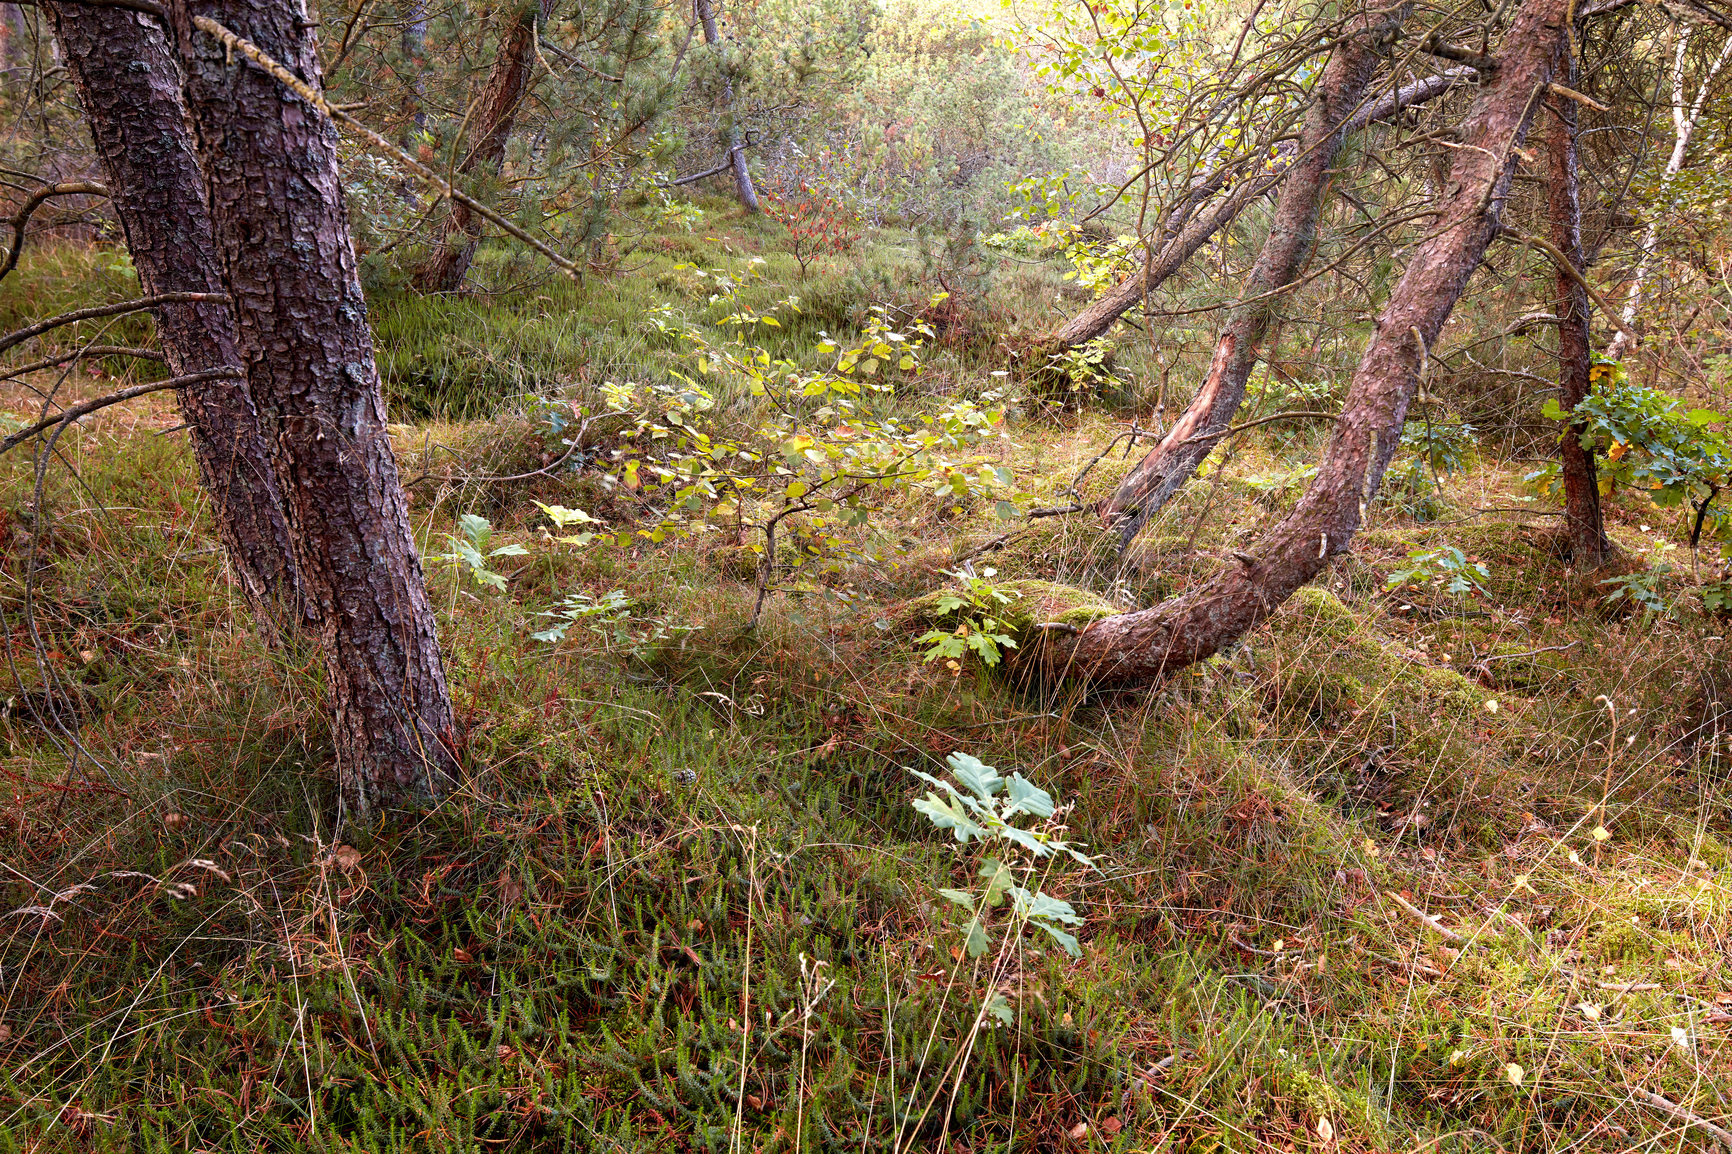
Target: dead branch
35 201
113 310
81 354
302 89
1666 1105
226 372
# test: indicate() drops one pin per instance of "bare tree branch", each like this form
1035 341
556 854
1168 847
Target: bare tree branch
132 306
36 200
88 407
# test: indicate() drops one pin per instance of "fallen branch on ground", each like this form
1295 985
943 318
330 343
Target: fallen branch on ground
1428 920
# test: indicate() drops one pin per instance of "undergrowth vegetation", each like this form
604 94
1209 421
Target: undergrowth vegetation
1439 858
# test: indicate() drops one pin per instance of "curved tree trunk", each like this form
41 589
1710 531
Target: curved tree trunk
508 82
1286 251
1586 531
277 212
129 85
1180 245
1135 648
736 148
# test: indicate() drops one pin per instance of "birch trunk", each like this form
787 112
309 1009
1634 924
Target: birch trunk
1685 117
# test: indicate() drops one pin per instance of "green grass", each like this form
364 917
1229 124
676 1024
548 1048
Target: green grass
620 934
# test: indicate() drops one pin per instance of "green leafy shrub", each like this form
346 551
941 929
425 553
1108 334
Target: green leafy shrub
992 809
1648 440
979 629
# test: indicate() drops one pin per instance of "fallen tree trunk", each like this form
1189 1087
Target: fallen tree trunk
1137 648
1182 244
1291 240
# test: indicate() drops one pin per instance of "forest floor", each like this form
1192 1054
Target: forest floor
1407 870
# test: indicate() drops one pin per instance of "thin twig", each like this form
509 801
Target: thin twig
1428 920
1720 1133
132 306
1530 653
88 407
1237 429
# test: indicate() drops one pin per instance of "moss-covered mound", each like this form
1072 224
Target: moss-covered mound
1031 603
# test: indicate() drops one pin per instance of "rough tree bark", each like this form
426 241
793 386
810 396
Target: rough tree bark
1288 248
1192 232
508 82
277 211
1135 648
1585 530
736 148
129 85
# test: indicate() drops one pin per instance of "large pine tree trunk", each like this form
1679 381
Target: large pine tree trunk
743 186
1192 231
129 84
508 82
1135 648
1340 90
1584 527
277 211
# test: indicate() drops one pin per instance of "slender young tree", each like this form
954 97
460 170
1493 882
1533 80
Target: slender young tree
1686 115
743 186
1340 91
270 163
1136 648
129 85
1584 527
508 84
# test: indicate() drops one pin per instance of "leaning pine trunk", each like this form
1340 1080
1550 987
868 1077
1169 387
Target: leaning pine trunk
1180 244
1135 648
508 83
1584 527
270 163
736 148
129 85
1291 239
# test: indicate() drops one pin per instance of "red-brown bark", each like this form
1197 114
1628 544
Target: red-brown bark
1136 648
129 86
282 236
1291 239
1584 527
508 82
